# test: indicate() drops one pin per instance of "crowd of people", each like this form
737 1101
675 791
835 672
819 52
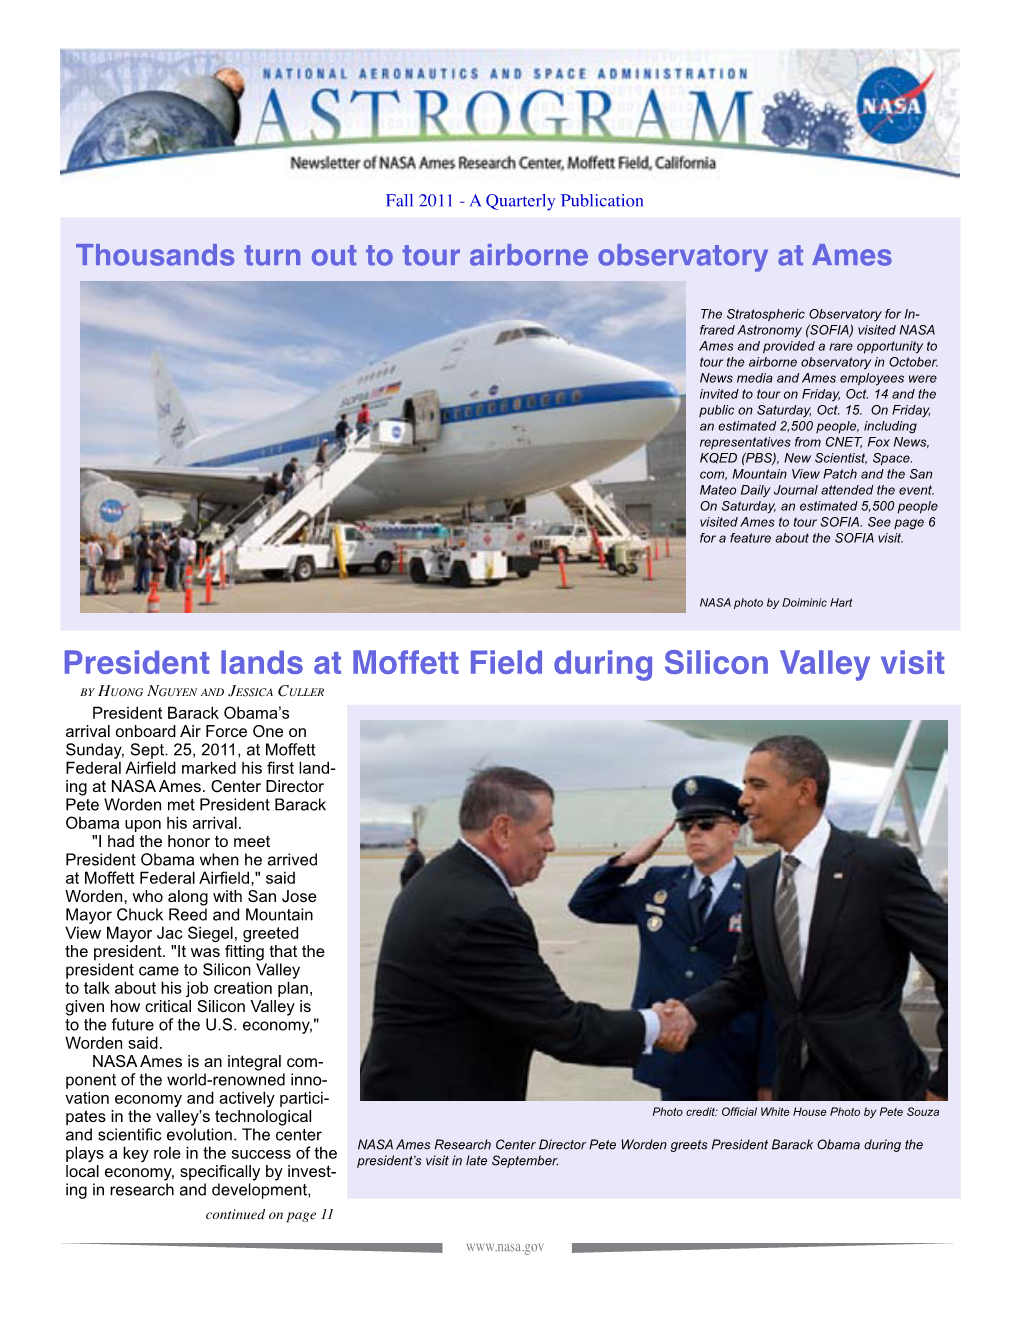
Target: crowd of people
159 558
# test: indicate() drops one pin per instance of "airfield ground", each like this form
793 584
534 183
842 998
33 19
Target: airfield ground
592 591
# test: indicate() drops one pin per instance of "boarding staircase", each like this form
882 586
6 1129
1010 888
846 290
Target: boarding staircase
587 505
277 519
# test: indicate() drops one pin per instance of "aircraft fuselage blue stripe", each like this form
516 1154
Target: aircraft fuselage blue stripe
461 414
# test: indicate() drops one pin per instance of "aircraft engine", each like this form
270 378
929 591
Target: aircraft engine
108 506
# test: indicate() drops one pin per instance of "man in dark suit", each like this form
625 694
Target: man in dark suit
413 862
688 920
462 996
829 925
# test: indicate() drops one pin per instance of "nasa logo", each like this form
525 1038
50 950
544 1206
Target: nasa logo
891 105
111 511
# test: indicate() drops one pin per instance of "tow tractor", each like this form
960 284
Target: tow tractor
476 553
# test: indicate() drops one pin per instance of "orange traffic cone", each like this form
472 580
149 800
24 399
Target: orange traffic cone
648 562
208 583
152 605
561 555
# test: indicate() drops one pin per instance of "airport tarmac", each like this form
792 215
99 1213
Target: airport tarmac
596 963
592 591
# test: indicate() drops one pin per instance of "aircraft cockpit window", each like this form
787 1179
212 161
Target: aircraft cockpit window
525 332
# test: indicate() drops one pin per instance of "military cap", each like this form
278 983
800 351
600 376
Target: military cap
700 796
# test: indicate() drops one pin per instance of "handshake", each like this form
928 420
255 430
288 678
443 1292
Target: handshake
676 1025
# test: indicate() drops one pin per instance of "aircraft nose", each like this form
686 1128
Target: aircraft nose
656 399
652 401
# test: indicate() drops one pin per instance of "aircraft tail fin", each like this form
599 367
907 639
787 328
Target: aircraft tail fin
175 426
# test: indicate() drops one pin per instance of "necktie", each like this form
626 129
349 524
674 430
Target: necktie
788 920
702 902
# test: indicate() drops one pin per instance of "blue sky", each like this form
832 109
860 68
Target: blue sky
240 350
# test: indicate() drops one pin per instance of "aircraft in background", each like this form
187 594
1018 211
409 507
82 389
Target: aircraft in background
495 414
916 753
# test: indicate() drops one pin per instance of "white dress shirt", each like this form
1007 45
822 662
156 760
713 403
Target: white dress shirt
652 1027
720 879
809 854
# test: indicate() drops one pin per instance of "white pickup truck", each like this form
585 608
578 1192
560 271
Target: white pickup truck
301 560
363 550
573 539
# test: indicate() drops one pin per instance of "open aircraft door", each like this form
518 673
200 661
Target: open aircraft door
426 415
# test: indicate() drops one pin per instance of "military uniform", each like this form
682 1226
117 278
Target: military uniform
680 955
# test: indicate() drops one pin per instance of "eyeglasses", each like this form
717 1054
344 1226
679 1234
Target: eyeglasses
704 823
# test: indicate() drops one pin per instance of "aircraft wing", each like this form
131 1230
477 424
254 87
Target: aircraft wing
222 485
865 742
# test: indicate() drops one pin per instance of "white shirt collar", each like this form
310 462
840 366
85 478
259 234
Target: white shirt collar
490 862
809 851
720 879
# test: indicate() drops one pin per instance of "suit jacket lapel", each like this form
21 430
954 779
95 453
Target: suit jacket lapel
681 897
729 901
832 885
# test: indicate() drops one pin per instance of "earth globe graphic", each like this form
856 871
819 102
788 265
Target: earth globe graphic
147 124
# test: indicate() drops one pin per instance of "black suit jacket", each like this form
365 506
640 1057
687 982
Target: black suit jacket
463 998
873 909
413 863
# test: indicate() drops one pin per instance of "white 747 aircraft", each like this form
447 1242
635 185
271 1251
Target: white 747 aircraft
498 412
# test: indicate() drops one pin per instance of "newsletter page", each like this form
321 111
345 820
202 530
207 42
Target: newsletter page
493 741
